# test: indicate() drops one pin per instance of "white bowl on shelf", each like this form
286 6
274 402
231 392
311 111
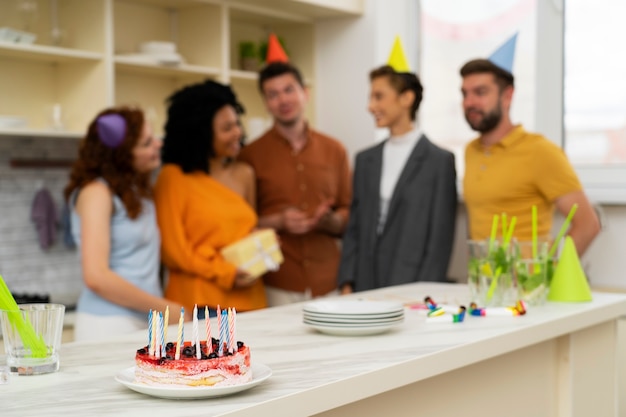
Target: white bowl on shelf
157 48
11 122
16 36
156 59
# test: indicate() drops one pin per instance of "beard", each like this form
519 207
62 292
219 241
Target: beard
488 122
288 122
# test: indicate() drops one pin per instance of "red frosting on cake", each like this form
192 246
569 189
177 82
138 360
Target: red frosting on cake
229 369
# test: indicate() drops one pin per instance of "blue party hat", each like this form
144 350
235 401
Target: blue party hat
503 56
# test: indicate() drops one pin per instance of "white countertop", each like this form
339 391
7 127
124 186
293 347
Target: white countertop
312 372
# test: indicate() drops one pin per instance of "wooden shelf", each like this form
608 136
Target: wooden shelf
243 75
173 4
132 65
306 9
254 14
47 53
41 133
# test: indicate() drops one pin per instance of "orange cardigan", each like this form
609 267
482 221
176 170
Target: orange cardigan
198 216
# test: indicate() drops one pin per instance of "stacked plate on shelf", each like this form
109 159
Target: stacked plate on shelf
352 317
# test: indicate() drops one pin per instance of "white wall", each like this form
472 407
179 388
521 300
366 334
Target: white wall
346 50
605 261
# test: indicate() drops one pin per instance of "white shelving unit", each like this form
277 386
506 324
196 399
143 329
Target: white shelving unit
90 67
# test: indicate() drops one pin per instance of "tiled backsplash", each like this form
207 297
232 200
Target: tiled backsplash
26 267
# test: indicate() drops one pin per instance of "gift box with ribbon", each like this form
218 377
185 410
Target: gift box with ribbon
257 253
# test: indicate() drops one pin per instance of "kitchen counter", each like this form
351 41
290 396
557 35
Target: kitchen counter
557 360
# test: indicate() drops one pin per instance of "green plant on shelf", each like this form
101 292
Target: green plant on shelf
248 53
247 49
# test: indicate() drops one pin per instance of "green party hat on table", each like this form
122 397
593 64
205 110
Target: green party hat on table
569 282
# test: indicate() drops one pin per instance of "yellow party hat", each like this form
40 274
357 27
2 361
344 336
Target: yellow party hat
397 59
569 282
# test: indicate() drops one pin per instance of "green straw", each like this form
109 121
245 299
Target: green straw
534 238
564 228
534 231
504 224
25 328
494 230
509 232
494 283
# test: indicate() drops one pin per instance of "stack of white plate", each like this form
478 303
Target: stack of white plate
353 317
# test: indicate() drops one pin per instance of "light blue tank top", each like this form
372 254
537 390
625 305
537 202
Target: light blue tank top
134 256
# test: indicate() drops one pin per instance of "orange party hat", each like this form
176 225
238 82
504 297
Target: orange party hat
569 282
275 52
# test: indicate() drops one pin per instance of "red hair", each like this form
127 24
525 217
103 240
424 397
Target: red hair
114 165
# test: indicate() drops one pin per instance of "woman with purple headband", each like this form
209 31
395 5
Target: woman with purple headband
113 221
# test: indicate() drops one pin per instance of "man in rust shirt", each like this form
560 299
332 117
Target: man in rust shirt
303 190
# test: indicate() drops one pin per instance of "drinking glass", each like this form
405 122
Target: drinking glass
533 270
490 274
32 337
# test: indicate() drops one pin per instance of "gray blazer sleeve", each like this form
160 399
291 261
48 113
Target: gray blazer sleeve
350 241
442 224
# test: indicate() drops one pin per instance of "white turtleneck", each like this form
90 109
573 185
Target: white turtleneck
396 152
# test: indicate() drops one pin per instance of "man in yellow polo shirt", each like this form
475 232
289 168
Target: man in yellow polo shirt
508 170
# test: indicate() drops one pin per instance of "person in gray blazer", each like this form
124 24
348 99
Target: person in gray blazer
403 210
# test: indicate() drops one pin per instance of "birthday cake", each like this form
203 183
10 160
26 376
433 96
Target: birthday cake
195 363
210 370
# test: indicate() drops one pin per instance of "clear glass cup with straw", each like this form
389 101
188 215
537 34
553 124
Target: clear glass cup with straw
490 268
532 270
31 334
32 337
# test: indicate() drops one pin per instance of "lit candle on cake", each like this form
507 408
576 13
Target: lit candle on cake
219 320
231 331
207 324
166 321
149 329
179 337
235 329
153 339
157 338
223 332
162 333
195 336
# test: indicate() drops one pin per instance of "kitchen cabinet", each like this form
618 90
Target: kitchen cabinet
85 55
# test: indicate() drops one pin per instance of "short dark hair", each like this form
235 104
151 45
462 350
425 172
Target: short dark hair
276 69
401 82
483 66
188 140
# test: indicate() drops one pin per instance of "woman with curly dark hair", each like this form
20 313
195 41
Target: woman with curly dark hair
113 221
204 199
